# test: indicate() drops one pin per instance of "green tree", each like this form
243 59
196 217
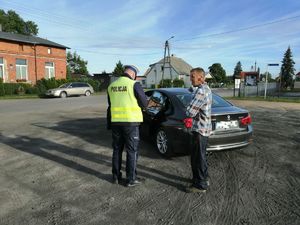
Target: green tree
13 23
287 69
237 70
119 69
76 65
263 76
218 73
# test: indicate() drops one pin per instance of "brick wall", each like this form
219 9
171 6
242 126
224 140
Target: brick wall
10 51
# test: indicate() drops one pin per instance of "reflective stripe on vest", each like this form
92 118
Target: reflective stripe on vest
123 104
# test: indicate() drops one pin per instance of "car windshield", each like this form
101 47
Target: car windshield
218 101
64 85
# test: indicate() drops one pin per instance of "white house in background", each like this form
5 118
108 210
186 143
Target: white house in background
208 75
142 81
174 68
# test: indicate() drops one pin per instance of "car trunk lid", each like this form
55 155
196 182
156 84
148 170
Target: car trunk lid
229 119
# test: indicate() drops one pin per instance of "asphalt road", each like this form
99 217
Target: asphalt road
55 157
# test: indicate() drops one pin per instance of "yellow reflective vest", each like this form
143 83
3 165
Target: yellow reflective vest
123 104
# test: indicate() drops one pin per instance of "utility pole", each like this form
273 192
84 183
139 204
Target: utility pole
167 59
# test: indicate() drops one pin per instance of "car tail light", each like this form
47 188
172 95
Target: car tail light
246 120
188 122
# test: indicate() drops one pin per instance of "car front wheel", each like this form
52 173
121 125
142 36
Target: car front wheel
63 94
87 93
163 144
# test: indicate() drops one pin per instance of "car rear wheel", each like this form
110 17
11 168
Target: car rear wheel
87 93
163 143
63 94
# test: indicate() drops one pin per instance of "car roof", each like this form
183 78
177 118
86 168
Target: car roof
172 91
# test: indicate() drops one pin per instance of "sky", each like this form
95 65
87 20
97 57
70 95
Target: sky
134 31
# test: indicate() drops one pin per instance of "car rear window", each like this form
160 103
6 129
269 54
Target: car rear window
218 101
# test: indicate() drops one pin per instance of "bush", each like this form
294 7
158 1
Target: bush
166 83
41 86
2 93
32 90
178 83
15 88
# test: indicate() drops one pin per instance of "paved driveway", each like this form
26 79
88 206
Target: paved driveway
55 168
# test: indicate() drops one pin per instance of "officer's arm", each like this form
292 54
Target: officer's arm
108 114
140 95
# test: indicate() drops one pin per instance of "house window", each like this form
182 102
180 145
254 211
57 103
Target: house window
49 50
1 68
21 69
49 70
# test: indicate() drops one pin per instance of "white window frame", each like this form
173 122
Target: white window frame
2 66
48 69
23 76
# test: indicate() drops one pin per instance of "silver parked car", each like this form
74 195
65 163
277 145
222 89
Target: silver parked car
71 89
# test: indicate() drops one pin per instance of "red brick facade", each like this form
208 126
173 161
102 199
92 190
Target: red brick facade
36 58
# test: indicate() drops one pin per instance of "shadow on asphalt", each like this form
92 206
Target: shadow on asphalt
91 130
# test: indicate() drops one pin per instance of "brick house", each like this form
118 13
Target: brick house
28 58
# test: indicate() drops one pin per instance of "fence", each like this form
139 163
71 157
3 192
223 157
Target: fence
258 90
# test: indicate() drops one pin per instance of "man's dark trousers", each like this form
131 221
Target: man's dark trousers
128 137
199 161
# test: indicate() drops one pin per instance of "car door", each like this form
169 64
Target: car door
154 114
72 89
82 87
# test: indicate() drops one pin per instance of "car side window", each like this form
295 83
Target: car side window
82 85
156 102
76 85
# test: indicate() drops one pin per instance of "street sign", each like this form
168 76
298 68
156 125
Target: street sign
237 83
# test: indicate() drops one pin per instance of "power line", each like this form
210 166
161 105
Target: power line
40 11
46 18
241 29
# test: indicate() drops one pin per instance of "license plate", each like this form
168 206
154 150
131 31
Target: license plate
226 125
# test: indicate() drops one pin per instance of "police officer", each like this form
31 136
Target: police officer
126 99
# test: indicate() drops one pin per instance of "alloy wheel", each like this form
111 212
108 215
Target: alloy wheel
162 142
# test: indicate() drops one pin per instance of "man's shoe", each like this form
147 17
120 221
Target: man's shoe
207 183
193 189
141 179
133 183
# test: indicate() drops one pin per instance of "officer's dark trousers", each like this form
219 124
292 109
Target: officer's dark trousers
128 137
199 161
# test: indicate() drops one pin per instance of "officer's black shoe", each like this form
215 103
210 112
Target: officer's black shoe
116 180
133 183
